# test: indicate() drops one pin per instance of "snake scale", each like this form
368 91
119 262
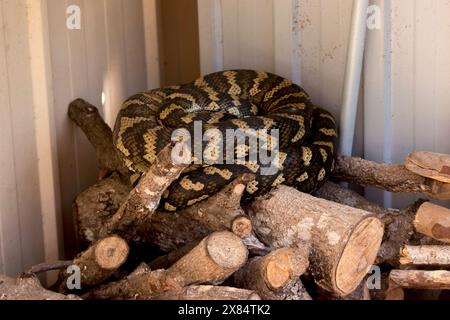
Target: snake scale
245 100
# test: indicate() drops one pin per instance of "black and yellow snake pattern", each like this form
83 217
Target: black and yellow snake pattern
234 99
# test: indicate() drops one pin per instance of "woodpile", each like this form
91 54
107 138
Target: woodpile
285 245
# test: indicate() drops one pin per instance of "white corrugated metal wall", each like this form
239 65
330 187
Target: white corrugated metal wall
45 161
405 96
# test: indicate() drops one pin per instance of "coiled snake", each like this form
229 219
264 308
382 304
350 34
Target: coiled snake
248 101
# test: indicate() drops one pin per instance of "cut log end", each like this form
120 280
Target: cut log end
219 247
433 221
283 265
111 252
242 226
358 255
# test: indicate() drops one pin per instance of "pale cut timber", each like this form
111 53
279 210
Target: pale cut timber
433 221
99 261
431 165
344 241
425 255
208 293
419 279
270 274
213 260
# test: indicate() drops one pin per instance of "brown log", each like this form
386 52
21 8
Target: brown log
416 279
425 255
212 261
95 207
99 261
87 117
434 221
389 177
344 241
270 274
208 293
28 287
144 199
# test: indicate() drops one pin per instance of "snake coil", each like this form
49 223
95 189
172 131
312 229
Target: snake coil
244 100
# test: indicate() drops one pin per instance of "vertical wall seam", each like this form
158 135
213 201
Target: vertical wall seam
12 138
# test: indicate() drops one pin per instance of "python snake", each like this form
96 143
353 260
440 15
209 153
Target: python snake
245 100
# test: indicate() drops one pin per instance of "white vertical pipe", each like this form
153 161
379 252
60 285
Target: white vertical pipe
353 75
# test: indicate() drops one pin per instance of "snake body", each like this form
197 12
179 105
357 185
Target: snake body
244 100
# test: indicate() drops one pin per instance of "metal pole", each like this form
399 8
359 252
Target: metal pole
353 75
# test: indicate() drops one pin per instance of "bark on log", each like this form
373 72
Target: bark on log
425 255
212 261
28 287
87 117
416 279
389 177
270 274
434 221
144 199
208 293
295 290
344 241
100 261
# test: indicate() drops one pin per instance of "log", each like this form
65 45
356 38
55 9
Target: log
28 287
94 207
223 210
434 221
399 228
270 274
87 117
425 255
144 199
432 165
165 261
99 262
390 177
208 293
141 284
344 241
416 279
212 261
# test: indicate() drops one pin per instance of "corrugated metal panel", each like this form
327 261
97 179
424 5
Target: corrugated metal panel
406 89
107 56
407 84
44 160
